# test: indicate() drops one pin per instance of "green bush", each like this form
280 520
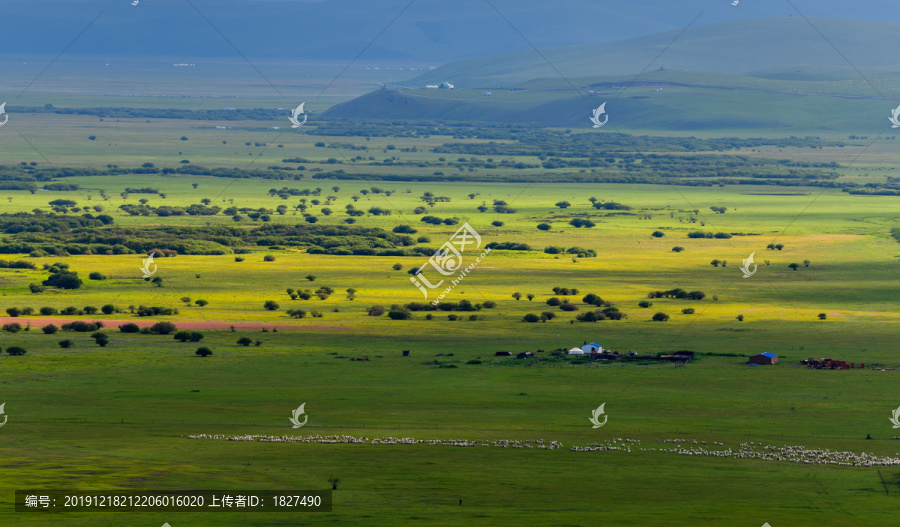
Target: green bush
163 328
63 280
399 314
129 328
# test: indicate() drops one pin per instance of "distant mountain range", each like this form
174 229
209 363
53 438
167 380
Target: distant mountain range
770 75
773 47
420 30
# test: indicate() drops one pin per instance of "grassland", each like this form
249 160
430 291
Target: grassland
91 417
114 417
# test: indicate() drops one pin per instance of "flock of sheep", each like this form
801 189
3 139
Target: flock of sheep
749 450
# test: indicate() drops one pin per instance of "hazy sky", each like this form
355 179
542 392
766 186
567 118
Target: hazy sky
424 30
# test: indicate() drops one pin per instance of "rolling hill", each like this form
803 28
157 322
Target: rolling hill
639 108
772 47
729 78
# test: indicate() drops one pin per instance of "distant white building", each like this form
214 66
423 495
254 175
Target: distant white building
592 347
576 351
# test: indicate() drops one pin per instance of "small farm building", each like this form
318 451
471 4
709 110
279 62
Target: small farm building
592 347
576 351
764 358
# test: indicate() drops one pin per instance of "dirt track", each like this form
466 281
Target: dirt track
144 323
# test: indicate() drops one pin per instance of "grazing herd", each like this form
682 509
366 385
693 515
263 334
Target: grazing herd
749 450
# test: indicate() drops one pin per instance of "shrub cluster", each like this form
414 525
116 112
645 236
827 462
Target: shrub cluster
702 234
677 293
607 313
580 252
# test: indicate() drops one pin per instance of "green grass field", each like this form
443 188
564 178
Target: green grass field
117 417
